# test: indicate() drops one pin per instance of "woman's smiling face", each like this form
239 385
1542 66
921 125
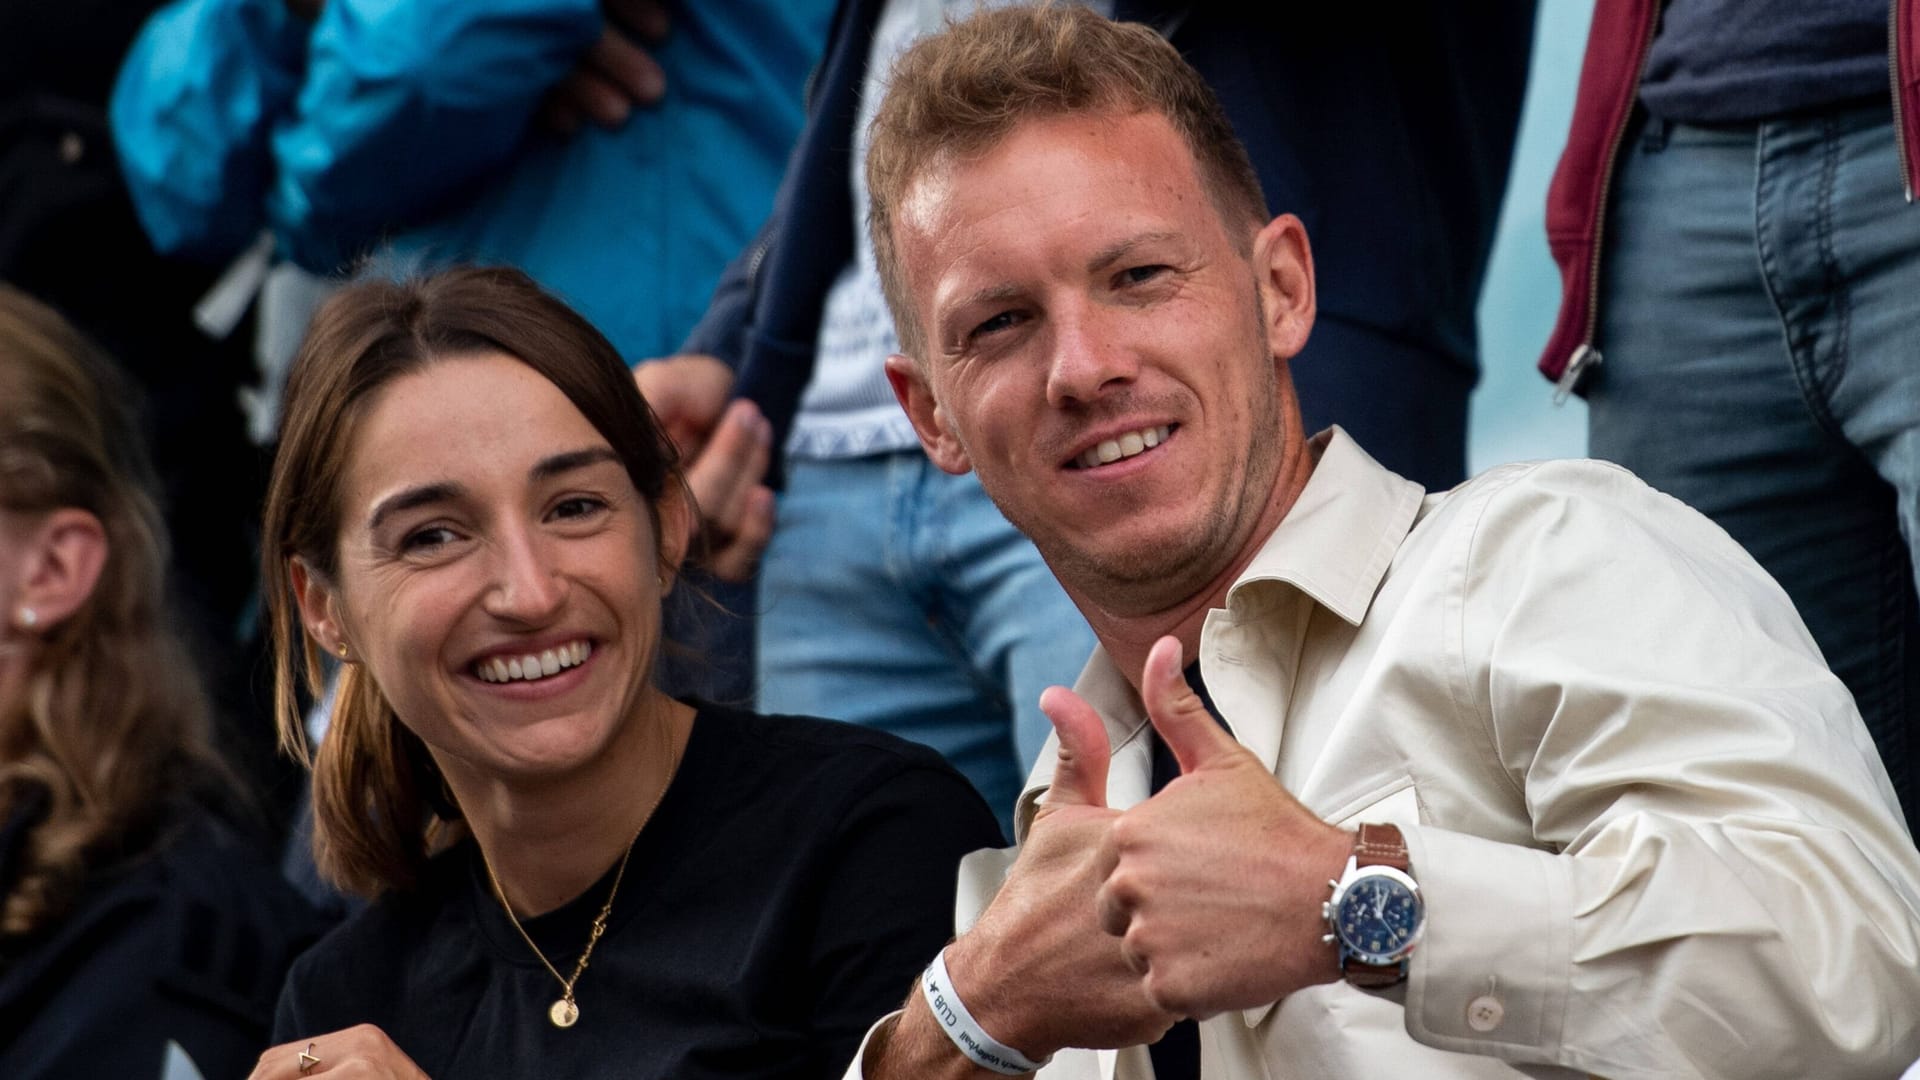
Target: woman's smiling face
499 573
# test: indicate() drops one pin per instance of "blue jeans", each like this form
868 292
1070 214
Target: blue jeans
896 596
1760 324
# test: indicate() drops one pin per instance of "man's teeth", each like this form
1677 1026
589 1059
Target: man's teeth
534 665
1125 446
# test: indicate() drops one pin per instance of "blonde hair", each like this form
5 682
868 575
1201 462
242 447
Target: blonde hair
956 94
113 720
381 809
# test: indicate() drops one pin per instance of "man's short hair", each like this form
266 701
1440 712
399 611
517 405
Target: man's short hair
956 94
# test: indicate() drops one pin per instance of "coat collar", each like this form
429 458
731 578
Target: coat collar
1334 547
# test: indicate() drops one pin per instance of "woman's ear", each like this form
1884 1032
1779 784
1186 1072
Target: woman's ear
319 608
678 527
64 556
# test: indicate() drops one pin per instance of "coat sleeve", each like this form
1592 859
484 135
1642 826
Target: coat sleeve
1719 882
230 114
191 111
722 331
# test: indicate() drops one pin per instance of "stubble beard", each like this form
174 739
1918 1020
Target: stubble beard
1160 573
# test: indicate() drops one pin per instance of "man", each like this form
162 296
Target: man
896 595
1563 712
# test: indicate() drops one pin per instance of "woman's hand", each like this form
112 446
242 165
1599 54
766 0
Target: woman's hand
363 1051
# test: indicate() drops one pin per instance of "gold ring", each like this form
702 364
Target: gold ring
307 1060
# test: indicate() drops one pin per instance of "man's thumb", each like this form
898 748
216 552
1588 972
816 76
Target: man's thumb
1080 773
1184 722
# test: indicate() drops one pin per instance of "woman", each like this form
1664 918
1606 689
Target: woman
138 936
475 515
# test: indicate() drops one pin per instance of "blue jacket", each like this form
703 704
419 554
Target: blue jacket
1388 135
411 123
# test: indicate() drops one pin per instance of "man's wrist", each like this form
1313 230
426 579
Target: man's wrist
969 959
958 1022
913 1047
1336 848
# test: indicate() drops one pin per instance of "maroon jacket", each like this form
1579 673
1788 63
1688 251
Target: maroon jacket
1609 87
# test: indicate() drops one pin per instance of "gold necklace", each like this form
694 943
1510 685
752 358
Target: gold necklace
566 1012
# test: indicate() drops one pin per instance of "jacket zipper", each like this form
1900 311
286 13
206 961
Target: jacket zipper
1586 356
1893 74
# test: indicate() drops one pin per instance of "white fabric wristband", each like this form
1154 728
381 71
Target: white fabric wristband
981 1048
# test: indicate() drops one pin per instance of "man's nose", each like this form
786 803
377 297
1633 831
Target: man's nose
1089 357
527 587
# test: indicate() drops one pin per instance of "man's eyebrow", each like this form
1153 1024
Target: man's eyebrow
992 294
1113 253
412 498
550 467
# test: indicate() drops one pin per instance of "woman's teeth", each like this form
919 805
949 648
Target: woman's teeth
1112 450
533 665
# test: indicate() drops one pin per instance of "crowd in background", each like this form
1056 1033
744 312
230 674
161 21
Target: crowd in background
181 182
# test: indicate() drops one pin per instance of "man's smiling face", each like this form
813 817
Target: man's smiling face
1096 350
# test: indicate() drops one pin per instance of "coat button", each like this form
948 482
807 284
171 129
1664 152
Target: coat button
1485 1012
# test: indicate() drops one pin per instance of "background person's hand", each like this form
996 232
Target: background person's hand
725 449
1217 880
363 1052
616 74
687 393
736 507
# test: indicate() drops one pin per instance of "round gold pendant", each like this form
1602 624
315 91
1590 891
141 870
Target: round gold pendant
563 1013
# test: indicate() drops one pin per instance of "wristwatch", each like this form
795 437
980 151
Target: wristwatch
1376 914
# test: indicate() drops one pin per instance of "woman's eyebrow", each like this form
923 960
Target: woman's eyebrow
411 498
551 467
426 494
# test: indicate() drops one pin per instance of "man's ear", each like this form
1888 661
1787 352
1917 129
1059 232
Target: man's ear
1283 265
65 554
319 606
915 393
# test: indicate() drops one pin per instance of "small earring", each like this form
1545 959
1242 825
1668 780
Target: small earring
29 618
343 650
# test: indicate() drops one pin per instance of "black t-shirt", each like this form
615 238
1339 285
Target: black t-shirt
794 880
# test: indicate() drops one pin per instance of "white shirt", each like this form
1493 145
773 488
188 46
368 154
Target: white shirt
1652 832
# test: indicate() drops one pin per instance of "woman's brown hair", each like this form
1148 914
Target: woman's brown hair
113 720
380 808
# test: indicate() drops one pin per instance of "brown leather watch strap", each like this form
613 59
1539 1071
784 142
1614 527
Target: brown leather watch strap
1371 976
1381 845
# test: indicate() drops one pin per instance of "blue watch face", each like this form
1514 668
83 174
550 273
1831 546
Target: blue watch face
1378 919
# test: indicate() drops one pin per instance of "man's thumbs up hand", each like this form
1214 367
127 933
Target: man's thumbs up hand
1036 971
1080 768
1189 730
1217 880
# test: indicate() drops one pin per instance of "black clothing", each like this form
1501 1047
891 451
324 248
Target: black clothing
1177 1055
793 882
1733 61
187 944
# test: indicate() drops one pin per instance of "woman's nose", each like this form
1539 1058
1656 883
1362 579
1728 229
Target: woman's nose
527 587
